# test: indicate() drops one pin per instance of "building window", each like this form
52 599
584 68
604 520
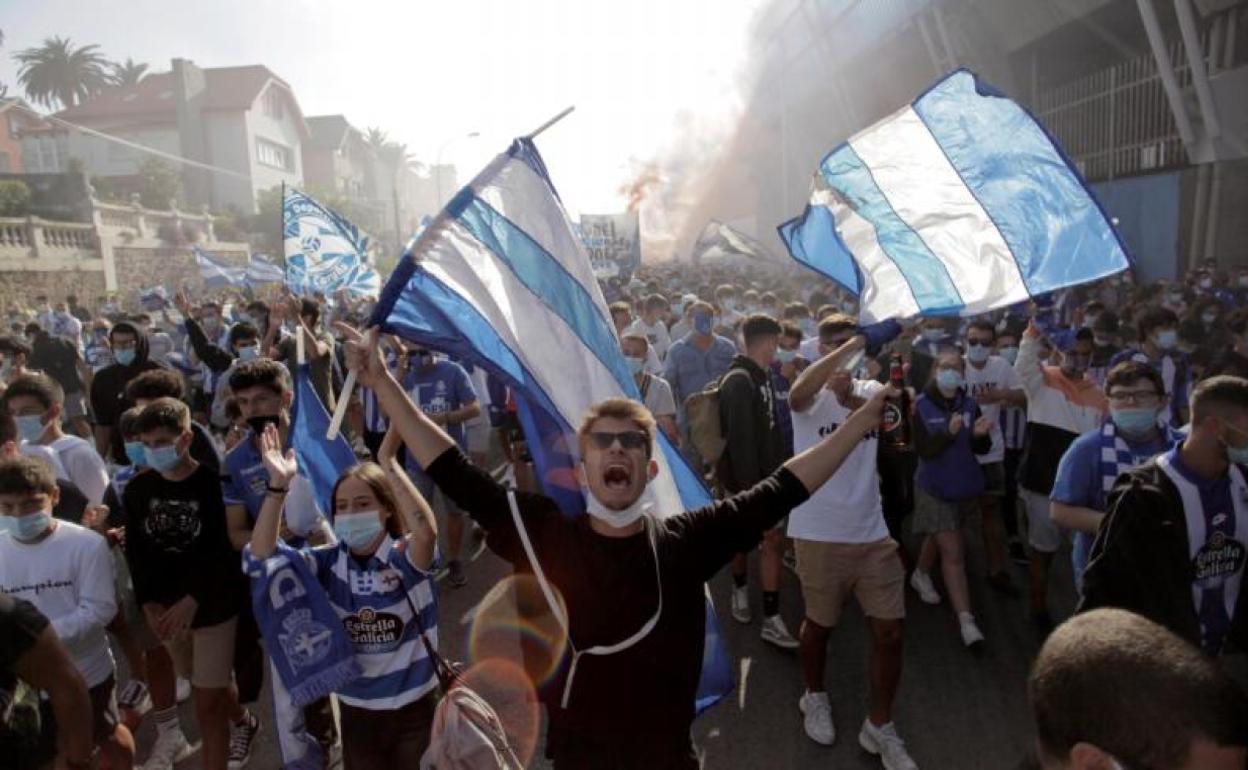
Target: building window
273 103
273 154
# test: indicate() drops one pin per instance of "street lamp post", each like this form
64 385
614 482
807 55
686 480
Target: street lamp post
437 167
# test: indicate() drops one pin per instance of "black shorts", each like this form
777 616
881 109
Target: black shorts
105 716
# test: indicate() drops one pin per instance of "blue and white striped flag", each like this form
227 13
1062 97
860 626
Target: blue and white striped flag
261 270
957 204
325 252
216 274
500 280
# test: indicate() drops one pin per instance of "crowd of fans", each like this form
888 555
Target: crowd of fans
145 474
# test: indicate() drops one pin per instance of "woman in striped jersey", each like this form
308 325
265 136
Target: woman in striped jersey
378 574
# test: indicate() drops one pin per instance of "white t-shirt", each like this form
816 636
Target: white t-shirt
996 374
847 508
47 455
68 576
656 335
85 467
809 349
658 398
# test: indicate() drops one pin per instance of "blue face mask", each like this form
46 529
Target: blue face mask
977 354
248 353
1134 422
702 323
635 365
27 527
125 356
162 458
785 356
30 427
949 379
1009 354
136 453
358 530
932 334
1236 454
1168 339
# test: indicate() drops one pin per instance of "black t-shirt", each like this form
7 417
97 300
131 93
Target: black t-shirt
177 544
58 358
108 400
20 626
643 695
72 503
203 451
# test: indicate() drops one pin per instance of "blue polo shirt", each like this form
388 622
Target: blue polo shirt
244 479
442 388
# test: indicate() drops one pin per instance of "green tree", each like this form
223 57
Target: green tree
58 73
127 73
14 198
159 183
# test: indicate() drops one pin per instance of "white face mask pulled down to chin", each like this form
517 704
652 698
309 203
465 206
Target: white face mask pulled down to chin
642 506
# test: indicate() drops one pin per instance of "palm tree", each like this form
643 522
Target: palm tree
377 139
127 73
57 72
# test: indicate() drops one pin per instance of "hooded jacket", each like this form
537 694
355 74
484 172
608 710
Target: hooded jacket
108 388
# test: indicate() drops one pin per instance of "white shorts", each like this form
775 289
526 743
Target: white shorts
478 434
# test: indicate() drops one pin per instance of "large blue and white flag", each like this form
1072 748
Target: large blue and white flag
957 204
320 461
500 280
261 271
216 274
324 251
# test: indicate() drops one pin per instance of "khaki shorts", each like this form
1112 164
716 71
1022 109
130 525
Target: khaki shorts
205 655
830 572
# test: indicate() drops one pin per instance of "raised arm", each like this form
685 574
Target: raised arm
418 517
282 469
424 439
809 382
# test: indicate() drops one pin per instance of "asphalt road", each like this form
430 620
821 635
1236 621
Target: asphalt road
955 711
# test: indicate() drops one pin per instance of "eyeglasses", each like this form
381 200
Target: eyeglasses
1139 397
629 440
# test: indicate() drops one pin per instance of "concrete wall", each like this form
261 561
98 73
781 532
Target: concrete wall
227 140
104 158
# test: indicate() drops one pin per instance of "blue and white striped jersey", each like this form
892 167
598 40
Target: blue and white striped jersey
369 599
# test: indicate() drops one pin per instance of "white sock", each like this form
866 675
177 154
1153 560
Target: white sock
966 617
167 720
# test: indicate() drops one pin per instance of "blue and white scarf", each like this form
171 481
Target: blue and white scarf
1117 457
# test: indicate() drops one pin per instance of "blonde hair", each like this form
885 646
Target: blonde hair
617 409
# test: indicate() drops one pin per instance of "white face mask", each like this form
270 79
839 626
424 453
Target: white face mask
618 519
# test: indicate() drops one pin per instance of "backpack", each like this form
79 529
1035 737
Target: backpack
702 412
466 733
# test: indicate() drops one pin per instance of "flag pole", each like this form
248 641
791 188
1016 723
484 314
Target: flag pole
533 134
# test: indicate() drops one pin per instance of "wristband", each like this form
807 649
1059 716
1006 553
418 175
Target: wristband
277 490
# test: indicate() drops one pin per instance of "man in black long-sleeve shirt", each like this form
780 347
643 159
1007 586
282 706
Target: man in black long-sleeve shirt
754 449
631 582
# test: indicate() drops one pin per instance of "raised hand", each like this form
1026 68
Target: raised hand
363 354
182 301
281 467
955 424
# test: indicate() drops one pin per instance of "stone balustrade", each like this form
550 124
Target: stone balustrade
142 222
34 237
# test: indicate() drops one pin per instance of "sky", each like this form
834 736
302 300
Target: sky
432 72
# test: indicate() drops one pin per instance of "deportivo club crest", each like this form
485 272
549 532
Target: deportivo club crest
304 640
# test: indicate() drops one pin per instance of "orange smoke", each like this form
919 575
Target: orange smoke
637 190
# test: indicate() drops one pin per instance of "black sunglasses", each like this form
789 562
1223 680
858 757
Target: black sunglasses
629 439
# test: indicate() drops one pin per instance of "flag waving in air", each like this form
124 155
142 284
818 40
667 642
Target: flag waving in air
500 280
957 204
719 240
324 251
216 274
261 270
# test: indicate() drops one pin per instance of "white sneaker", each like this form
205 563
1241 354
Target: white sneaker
741 604
921 582
885 743
777 633
971 635
818 717
170 748
184 690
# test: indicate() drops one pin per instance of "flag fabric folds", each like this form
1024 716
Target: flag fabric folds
957 204
261 270
324 251
500 280
320 461
216 274
719 240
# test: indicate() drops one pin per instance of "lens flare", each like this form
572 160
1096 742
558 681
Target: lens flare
514 623
506 687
